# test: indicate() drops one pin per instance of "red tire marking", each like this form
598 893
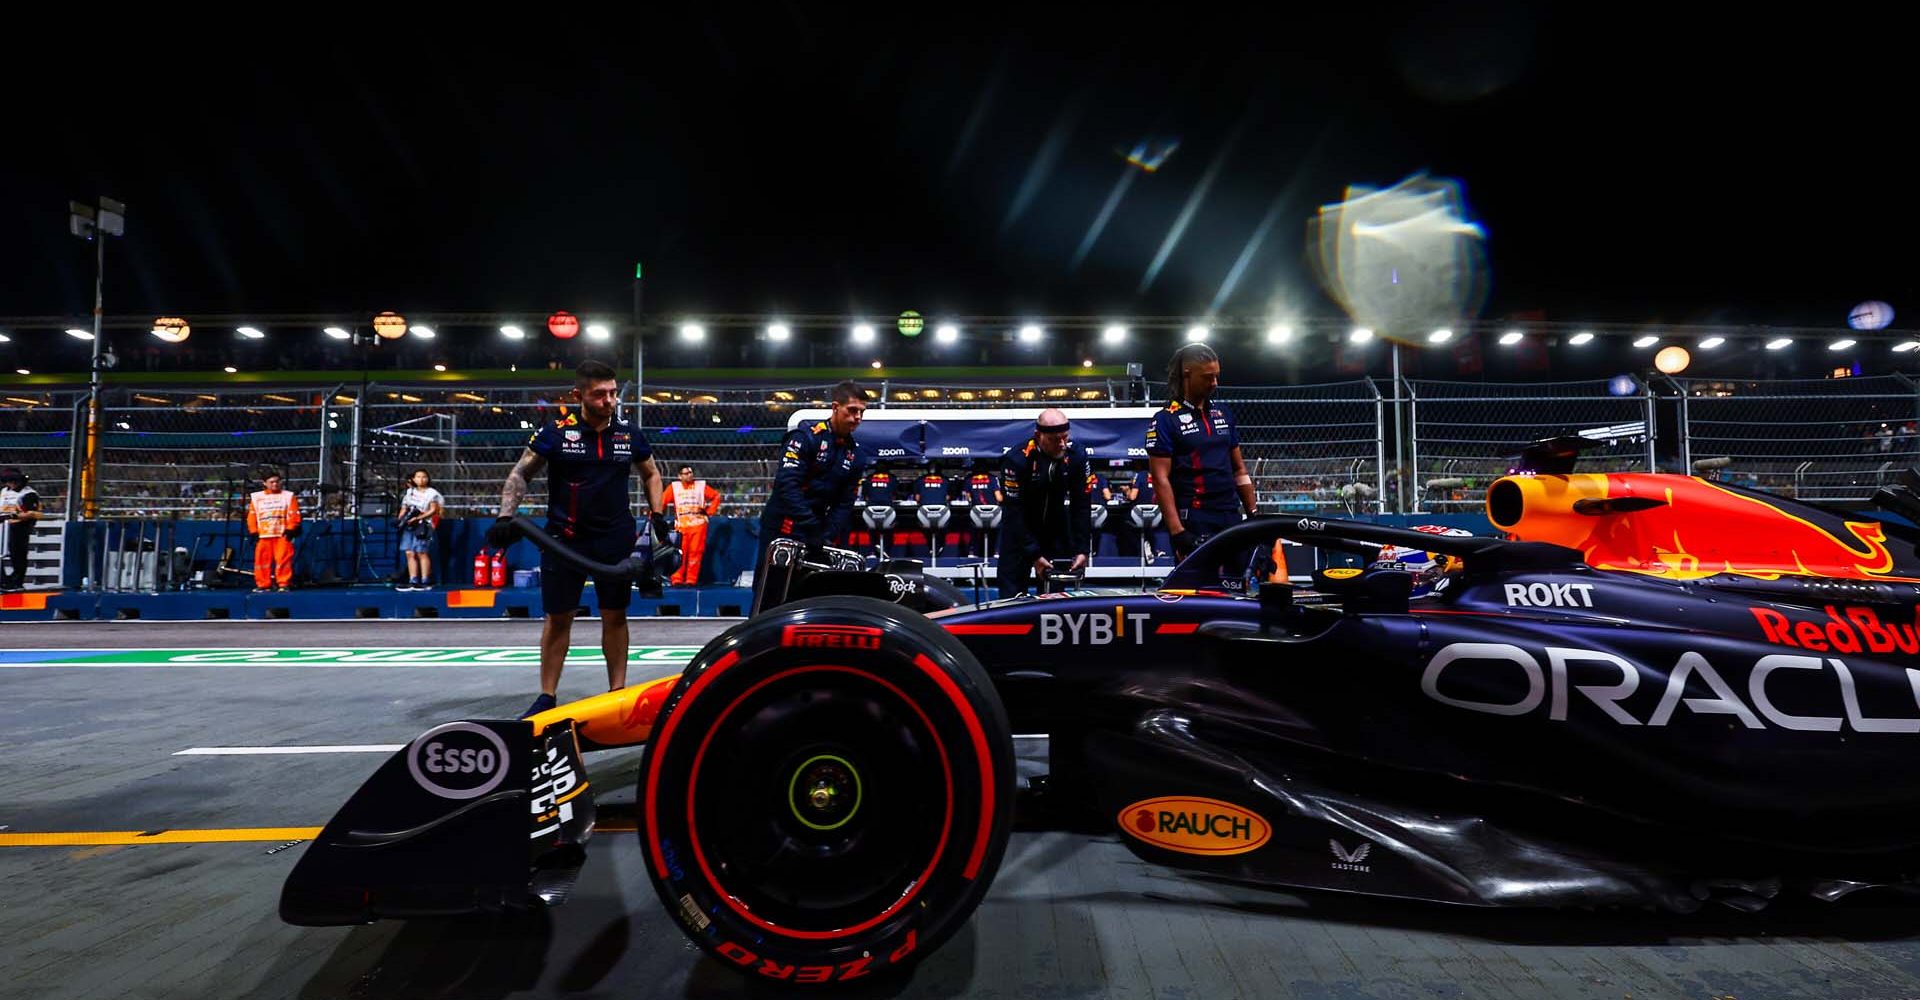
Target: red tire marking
939 849
656 752
980 753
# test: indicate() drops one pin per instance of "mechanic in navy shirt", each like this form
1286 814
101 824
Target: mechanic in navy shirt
588 456
819 470
1193 453
1046 517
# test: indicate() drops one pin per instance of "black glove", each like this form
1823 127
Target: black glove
661 527
503 533
293 532
1183 544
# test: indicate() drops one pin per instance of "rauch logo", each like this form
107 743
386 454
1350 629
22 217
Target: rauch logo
1193 825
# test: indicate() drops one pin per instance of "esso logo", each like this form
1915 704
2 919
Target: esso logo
459 760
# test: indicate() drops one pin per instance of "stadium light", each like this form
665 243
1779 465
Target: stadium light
1511 337
21 371
1781 343
4 339
779 333
231 370
337 333
599 331
79 334
1360 335
1279 333
863 334
1030 334
876 363
251 333
1113 334
1840 345
439 368
692 333
1584 336
1440 336
947 334
1086 362
423 332
513 333
1646 341
1197 334
1905 346
1712 342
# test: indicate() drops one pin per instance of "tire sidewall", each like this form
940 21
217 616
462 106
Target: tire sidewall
901 650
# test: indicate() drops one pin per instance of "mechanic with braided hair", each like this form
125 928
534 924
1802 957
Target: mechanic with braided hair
1193 454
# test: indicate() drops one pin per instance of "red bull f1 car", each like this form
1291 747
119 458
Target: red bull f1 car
1653 690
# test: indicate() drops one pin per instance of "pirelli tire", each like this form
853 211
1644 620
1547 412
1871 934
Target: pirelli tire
828 791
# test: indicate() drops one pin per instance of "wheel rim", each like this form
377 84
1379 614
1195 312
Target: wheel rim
825 792
821 800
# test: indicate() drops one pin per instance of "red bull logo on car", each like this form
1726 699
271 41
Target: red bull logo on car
1685 528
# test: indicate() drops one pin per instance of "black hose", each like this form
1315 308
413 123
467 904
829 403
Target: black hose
629 568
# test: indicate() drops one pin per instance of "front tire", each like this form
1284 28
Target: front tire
828 791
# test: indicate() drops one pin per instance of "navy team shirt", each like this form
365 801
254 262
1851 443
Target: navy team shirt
1201 445
587 473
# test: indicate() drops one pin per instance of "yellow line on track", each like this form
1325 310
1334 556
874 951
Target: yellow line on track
277 834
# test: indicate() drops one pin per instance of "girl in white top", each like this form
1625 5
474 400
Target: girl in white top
420 511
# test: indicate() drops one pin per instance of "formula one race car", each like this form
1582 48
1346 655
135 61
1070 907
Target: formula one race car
1656 690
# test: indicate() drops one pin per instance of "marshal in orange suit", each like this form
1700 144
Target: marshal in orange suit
273 516
693 502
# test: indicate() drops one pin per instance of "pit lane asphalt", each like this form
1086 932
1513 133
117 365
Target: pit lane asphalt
93 748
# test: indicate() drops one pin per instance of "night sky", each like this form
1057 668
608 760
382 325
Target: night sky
807 159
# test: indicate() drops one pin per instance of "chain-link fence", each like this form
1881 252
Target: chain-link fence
1816 439
36 436
1464 435
1313 447
196 453
168 453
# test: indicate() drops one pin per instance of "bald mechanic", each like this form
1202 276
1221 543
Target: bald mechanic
1046 520
588 457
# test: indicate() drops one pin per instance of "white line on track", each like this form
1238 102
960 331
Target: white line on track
258 751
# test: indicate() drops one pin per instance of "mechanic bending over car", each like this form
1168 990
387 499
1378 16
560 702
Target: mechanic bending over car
588 457
1047 517
819 469
1193 454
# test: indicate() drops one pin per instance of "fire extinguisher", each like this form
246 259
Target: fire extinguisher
480 567
500 567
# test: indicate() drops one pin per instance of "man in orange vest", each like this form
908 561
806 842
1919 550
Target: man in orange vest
693 501
273 520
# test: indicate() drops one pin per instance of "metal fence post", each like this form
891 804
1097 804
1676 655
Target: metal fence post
75 458
1686 432
353 455
1653 428
1379 449
324 467
1414 484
